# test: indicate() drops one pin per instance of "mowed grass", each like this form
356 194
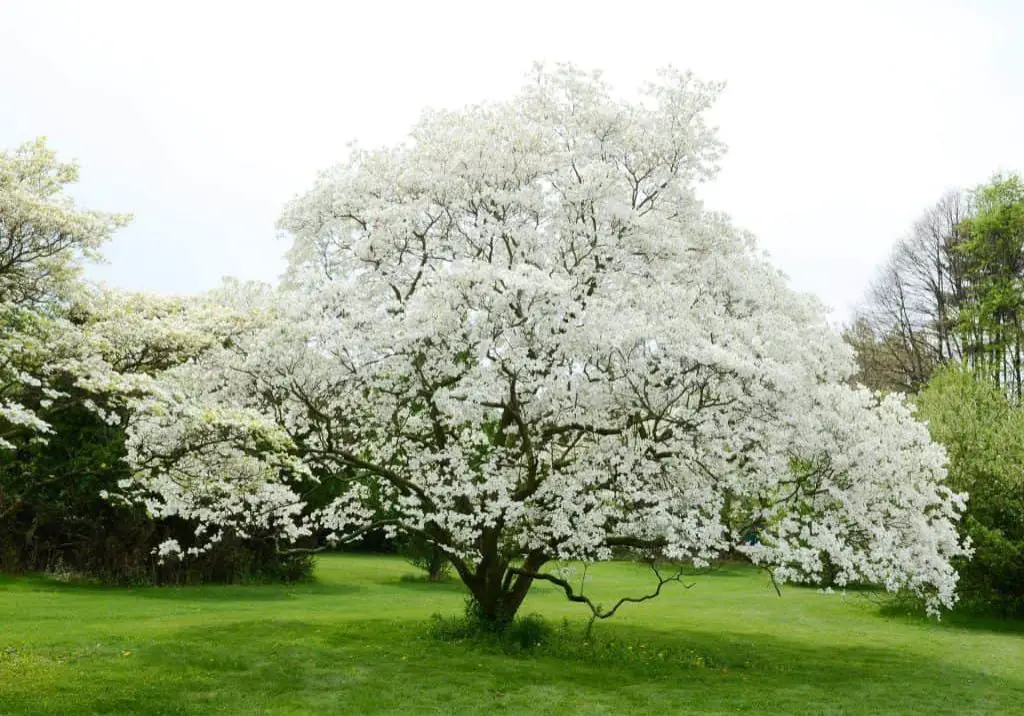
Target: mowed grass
357 641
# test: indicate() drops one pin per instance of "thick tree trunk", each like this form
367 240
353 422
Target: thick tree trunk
497 605
498 593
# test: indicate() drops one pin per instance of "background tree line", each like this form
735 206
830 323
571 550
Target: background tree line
951 292
944 319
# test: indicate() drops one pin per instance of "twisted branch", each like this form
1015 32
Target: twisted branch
597 611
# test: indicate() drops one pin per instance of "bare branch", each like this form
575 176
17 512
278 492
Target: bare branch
597 611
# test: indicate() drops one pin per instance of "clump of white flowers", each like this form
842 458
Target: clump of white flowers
520 335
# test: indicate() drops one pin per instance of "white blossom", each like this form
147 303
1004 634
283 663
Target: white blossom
521 335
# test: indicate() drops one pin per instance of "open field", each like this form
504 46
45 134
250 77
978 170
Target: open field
356 642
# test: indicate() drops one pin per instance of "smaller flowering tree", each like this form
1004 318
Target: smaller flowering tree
43 238
521 337
74 360
58 332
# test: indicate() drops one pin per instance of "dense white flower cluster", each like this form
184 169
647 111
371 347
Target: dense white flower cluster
521 335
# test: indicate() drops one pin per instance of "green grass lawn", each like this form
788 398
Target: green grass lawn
357 642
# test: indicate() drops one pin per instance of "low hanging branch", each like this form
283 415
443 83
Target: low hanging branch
597 611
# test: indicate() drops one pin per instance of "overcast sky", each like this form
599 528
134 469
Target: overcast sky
844 119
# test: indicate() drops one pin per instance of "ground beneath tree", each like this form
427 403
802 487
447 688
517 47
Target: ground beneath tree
357 642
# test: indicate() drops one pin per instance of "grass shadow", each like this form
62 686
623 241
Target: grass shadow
420 582
305 666
964 619
198 593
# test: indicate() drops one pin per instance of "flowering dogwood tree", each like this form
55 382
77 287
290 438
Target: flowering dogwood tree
65 344
520 335
43 238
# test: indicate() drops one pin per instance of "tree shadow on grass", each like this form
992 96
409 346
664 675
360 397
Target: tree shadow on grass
421 583
724 569
394 666
196 593
964 619
249 592
908 611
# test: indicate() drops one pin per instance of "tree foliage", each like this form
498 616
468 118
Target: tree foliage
982 432
946 315
43 234
991 314
522 333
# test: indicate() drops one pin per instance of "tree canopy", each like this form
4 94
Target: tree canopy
521 336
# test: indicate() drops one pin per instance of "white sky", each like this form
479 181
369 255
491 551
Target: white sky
844 120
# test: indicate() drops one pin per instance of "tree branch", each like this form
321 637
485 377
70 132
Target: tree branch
596 610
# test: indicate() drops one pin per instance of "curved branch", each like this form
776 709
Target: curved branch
596 610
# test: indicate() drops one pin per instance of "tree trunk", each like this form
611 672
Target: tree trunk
498 605
497 592
436 565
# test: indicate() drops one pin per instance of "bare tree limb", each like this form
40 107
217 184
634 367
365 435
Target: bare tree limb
597 611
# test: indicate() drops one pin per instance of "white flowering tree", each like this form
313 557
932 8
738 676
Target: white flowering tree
44 237
72 354
59 332
520 335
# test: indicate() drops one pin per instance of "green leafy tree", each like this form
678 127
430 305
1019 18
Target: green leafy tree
973 418
990 318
